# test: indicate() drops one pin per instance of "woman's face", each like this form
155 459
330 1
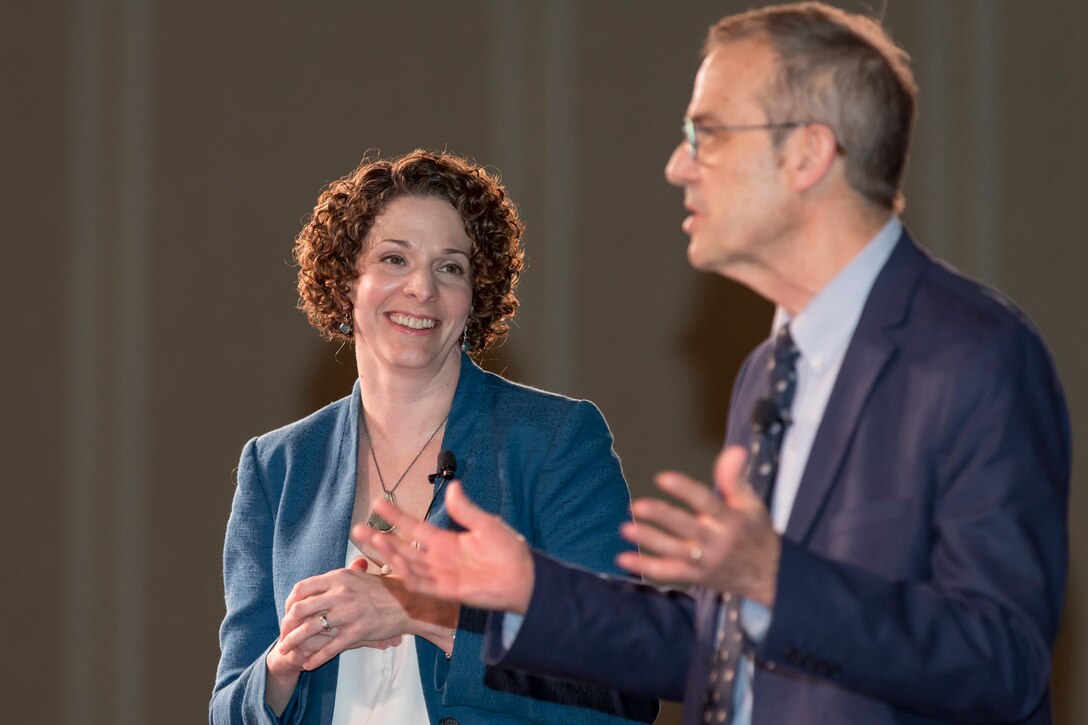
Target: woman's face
413 294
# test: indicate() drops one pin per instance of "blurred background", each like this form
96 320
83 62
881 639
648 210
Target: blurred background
158 159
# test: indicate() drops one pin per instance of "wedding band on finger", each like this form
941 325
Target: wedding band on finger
696 553
325 626
418 545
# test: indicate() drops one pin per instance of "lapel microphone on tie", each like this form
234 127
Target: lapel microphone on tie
769 423
765 414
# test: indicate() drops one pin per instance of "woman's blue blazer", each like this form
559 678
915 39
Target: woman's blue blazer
542 462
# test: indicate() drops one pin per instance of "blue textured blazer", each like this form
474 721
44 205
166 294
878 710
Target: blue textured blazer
542 462
923 566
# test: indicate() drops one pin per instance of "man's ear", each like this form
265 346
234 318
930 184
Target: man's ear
811 152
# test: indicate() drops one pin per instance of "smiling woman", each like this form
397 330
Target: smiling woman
415 261
328 249
412 298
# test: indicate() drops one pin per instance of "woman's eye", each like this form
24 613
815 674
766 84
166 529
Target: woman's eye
452 268
392 259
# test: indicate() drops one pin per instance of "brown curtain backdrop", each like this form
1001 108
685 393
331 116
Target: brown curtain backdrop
158 158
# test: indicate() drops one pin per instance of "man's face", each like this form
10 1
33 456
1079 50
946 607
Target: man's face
735 190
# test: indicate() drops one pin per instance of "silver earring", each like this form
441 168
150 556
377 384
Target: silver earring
464 339
344 327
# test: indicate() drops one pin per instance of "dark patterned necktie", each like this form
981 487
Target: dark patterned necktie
770 419
771 416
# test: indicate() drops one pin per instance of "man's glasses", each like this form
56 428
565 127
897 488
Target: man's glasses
692 130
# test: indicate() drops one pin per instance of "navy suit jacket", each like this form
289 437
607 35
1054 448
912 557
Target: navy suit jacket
923 566
542 462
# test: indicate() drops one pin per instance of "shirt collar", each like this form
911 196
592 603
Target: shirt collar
822 330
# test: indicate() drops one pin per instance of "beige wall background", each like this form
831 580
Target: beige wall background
158 158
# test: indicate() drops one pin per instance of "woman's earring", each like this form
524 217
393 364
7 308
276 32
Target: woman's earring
465 347
345 327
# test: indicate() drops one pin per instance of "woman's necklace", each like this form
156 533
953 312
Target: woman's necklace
376 521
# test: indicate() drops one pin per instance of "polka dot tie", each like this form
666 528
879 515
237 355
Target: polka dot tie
771 420
769 430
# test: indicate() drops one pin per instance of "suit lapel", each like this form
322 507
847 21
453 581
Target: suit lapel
871 349
862 366
706 621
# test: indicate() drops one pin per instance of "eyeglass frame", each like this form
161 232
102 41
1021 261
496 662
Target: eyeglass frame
690 128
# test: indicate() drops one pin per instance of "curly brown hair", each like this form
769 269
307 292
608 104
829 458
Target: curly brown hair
329 246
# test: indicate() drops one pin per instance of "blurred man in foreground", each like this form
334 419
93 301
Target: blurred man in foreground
887 541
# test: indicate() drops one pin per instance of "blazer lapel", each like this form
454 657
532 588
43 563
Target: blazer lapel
339 498
871 349
460 439
860 370
706 621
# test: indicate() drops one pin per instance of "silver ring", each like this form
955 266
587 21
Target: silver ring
696 553
325 626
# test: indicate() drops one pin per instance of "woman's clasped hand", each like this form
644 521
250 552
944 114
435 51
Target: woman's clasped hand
361 609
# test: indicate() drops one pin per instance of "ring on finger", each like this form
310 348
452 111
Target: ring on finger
325 626
696 553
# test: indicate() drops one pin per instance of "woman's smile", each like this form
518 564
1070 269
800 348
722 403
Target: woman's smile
403 319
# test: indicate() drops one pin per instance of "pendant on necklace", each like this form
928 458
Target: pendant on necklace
377 523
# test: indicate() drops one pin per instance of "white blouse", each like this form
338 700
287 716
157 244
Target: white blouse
378 687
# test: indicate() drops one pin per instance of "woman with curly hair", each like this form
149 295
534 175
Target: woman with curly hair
414 261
